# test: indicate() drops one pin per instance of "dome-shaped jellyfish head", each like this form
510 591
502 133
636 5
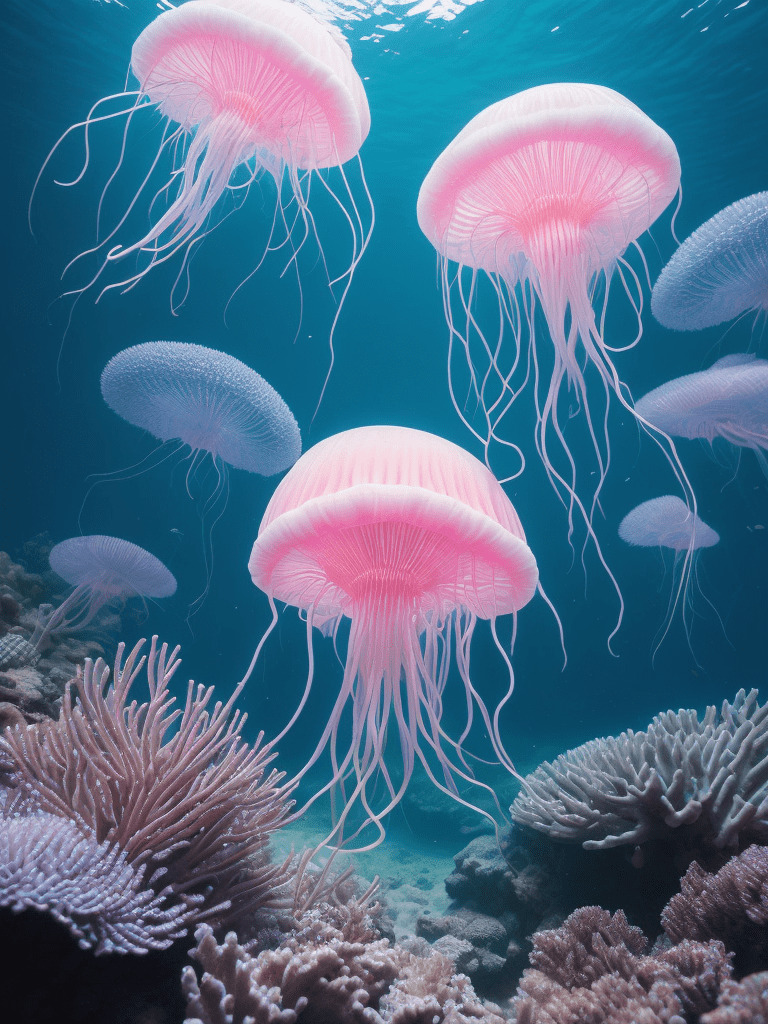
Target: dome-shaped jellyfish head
729 400
718 273
208 403
543 192
208 400
245 87
102 571
411 539
668 523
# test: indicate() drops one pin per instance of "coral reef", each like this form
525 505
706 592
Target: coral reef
478 944
47 862
495 905
731 905
699 786
182 814
598 968
331 969
527 884
741 1002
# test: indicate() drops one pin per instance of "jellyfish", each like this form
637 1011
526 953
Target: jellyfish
544 192
667 522
729 400
720 272
412 540
209 404
102 570
246 88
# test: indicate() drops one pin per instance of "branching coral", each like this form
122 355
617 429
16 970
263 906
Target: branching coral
331 970
184 802
597 968
731 905
741 1002
702 784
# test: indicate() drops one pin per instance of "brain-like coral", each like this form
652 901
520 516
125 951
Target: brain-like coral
701 785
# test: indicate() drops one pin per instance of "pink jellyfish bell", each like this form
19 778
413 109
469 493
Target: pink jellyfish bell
412 539
246 86
544 191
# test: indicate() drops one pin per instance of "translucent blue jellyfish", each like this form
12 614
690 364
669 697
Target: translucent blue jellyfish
103 571
667 522
207 404
718 273
729 401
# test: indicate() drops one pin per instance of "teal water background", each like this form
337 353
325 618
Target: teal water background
703 76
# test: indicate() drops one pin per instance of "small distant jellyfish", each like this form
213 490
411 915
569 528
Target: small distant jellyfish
207 404
410 540
543 192
728 401
246 87
103 571
667 522
718 273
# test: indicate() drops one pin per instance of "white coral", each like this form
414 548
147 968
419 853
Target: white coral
711 775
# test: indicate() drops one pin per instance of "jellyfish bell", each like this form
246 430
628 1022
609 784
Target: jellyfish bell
209 405
729 401
412 540
543 192
667 522
246 87
103 571
719 272
211 402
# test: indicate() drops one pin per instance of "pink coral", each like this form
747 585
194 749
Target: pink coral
189 809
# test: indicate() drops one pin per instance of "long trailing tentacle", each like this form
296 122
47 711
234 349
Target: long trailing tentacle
89 120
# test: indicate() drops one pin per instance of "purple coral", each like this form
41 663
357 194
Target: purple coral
598 968
189 810
731 905
741 1002
48 863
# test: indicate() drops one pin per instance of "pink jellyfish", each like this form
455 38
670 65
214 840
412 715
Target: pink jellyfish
102 570
412 539
246 87
544 191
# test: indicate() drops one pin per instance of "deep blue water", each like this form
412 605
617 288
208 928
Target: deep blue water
702 77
